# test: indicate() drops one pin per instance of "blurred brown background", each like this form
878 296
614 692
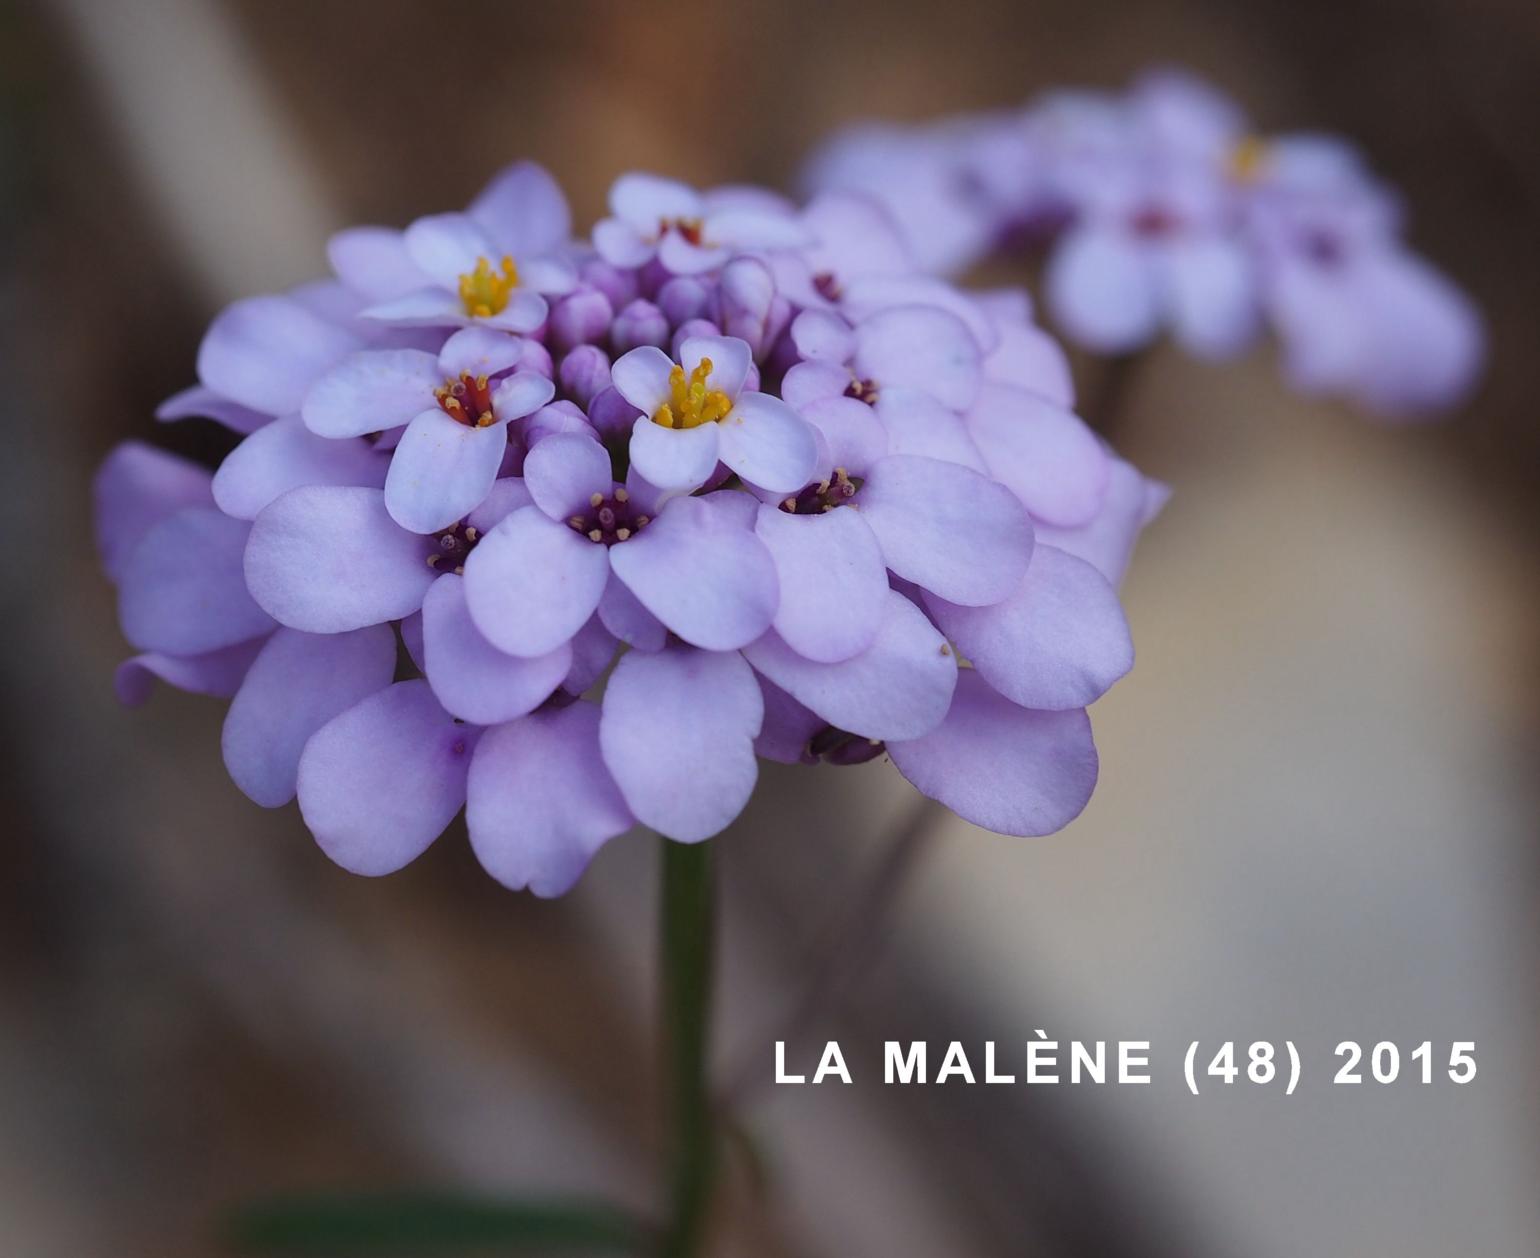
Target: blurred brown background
1318 810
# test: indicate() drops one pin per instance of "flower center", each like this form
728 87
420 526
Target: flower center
467 400
862 390
484 292
823 496
452 546
1153 221
608 520
689 228
1248 159
828 286
691 404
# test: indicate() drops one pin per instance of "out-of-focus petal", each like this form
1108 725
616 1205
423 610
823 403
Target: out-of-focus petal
371 391
266 352
285 455
136 486
1045 455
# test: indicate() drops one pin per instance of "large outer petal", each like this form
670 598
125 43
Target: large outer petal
899 687
1006 768
1102 291
285 455
674 458
447 246
703 572
564 471
540 802
199 402
523 210
833 582
217 673
531 583
380 782
922 347
136 486
918 424
298 683
471 677
327 559
768 444
678 736
948 529
181 591
642 199
266 352
1044 454
441 470
1059 642
373 261
372 391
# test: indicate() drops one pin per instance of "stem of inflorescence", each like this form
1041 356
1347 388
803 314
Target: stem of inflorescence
688 923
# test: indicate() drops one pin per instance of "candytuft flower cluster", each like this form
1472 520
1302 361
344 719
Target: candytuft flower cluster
568 534
1160 211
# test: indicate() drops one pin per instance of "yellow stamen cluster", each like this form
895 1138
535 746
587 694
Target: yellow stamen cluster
485 292
691 404
1248 159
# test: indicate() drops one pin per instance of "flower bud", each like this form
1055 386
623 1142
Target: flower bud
585 373
640 323
580 318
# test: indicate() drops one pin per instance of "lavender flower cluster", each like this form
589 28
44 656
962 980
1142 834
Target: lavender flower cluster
1160 211
567 534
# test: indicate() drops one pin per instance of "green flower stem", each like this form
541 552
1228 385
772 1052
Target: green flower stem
688 909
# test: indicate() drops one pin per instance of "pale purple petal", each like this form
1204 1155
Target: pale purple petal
136 486
327 559
380 782
867 296
1028 358
266 352
523 210
1006 768
853 436
374 262
682 257
426 308
372 391
1211 289
916 423
643 200
950 530
564 471
1045 455
641 377
1102 291
540 802
549 276
531 583
1107 540
923 347
284 456
705 575
620 244
441 470
471 677
678 735
788 727
521 394
298 683
807 383
181 591
447 246
504 498
217 673
833 583
751 228
199 402
823 336
730 361
624 616
593 650
525 312
1059 642
479 351
674 458
768 444
899 687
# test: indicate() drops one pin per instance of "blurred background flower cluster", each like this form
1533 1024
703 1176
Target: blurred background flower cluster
1318 811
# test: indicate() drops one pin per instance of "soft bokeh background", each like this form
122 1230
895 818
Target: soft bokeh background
1319 800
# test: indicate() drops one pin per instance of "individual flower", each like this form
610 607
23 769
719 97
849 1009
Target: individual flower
697 412
687 231
492 265
455 407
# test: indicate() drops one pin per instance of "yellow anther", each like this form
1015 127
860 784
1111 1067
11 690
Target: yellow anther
485 292
1249 158
691 403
